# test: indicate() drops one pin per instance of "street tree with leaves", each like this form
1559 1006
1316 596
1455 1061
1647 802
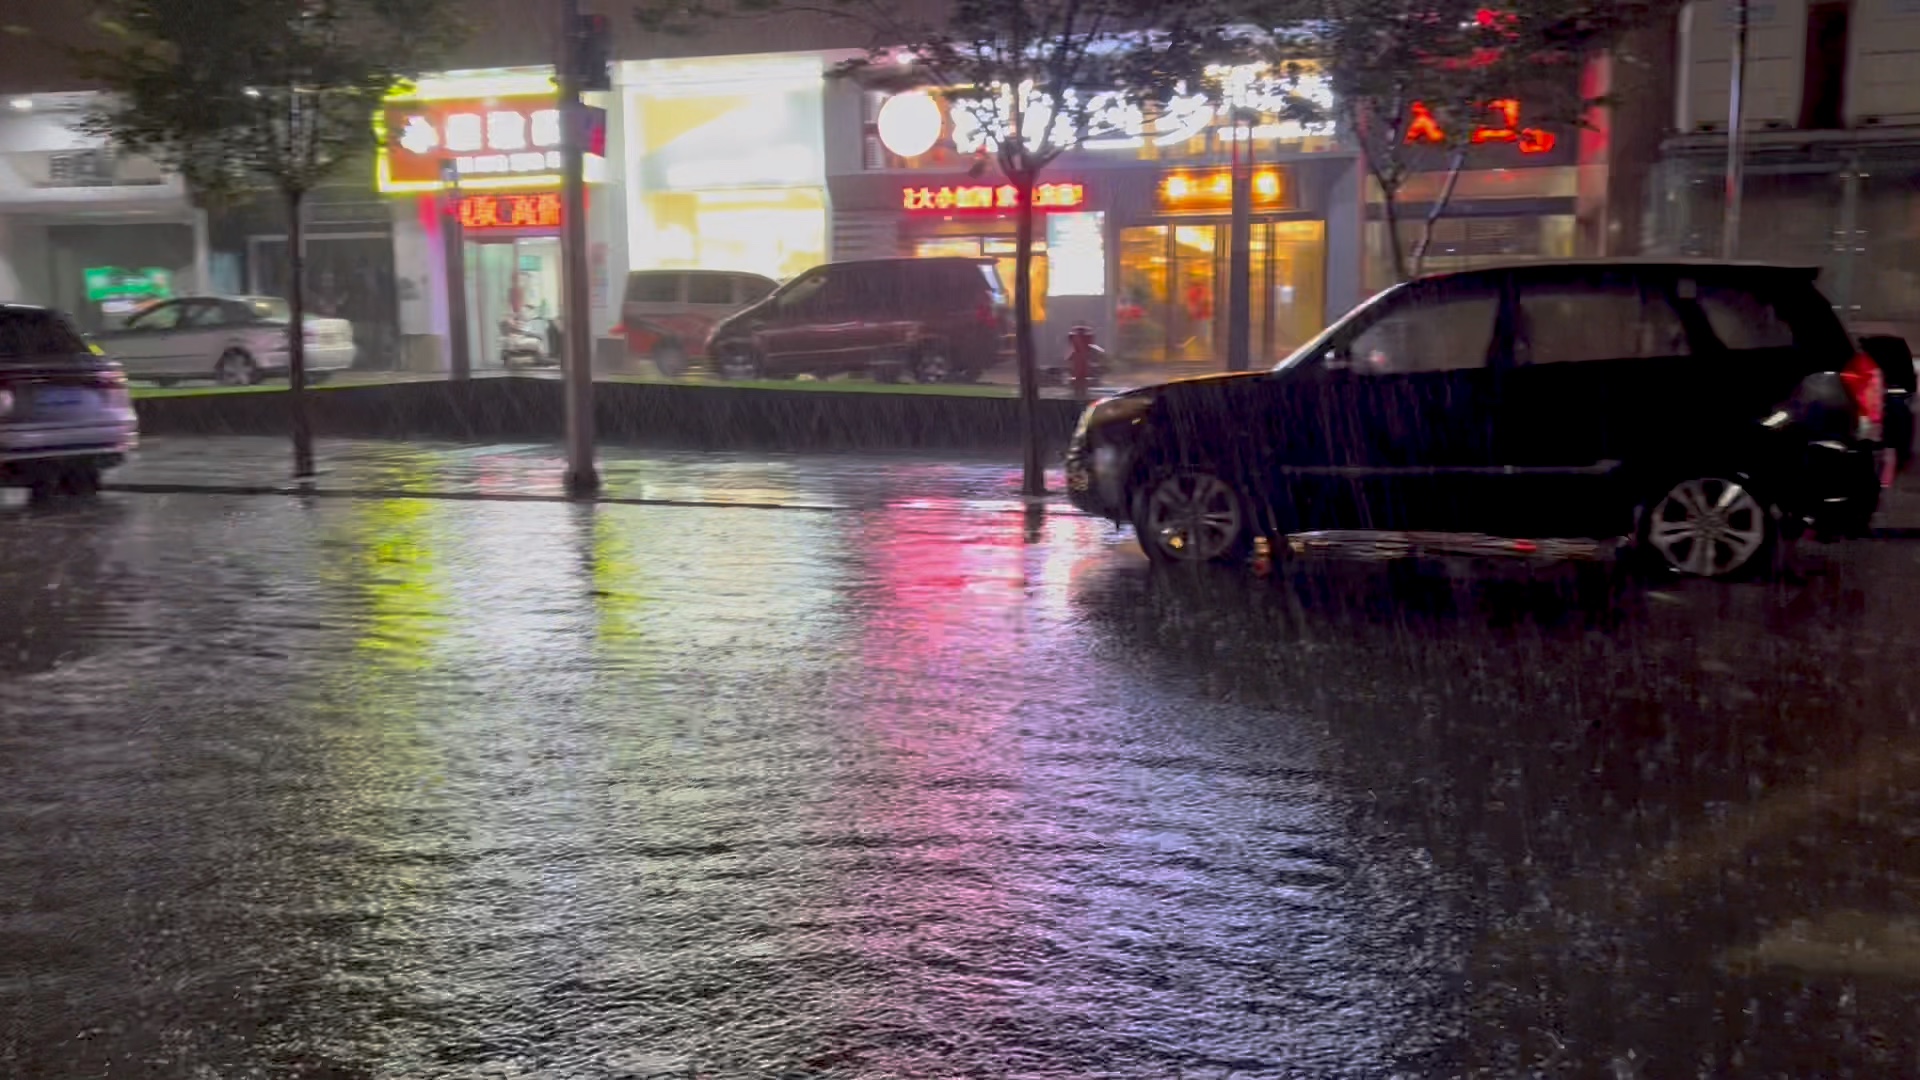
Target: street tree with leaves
1420 84
1032 77
244 96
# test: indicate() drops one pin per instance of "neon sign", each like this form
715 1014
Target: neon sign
504 140
1424 128
988 197
541 211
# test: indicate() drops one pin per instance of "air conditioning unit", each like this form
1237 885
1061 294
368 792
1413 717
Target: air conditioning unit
1775 70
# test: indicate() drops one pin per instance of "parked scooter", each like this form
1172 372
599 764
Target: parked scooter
526 343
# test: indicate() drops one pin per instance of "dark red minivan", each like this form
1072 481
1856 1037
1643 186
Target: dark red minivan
932 320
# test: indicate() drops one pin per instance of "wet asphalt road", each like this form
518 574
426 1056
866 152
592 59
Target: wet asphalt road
899 785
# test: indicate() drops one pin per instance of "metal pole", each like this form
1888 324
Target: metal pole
454 234
1736 133
1240 251
582 477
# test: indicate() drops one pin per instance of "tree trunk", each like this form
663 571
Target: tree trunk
1439 208
1033 472
1390 208
297 338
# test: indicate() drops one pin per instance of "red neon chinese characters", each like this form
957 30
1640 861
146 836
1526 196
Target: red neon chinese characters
984 197
1424 128
541 211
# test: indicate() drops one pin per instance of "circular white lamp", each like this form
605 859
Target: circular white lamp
909 124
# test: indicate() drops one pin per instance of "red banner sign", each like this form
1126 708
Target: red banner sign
481 212
940 200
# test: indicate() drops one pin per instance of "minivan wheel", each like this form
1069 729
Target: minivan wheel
931 364
1192 516
670 359
1710 526
739 360
236 369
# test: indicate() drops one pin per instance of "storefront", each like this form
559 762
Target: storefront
477 155
85 228
1134 234
725 164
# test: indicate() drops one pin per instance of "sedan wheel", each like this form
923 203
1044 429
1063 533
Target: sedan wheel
1711 527
236 369
1192 517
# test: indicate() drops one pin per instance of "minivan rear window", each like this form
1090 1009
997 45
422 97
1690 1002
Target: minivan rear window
653 288
37 333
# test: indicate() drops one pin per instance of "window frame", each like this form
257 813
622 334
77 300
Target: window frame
1665 287
1499 355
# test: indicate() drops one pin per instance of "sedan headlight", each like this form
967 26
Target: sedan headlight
6 403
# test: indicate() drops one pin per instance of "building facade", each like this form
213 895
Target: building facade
1832 148
84 227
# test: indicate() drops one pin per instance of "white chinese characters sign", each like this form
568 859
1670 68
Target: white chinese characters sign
490 142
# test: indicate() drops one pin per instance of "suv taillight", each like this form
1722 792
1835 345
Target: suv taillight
1868 387
985 314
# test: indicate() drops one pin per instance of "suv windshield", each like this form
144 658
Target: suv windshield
28 333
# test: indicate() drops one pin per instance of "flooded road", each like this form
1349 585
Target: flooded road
909 785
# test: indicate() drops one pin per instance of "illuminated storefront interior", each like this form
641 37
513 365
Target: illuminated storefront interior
726 170
498 132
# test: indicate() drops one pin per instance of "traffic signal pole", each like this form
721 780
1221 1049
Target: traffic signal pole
583 475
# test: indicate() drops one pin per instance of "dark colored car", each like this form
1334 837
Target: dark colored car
932 319
1693 409
64 409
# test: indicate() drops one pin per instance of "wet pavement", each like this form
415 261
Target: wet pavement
861 767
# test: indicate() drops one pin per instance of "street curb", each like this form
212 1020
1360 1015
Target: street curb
309 491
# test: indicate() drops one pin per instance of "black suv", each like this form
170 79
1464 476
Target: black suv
1694 409
932 319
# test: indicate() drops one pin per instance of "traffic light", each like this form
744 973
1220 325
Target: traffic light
592 52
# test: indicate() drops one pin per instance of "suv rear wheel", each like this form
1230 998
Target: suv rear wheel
1192 515
1709 526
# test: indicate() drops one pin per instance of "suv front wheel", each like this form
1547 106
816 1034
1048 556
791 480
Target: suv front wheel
1192 515
1709 526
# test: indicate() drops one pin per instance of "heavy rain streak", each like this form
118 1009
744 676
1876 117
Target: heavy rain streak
1051 539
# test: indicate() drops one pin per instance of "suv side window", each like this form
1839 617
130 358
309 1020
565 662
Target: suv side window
1436 329
1573 322
1742 319
648 288
709 289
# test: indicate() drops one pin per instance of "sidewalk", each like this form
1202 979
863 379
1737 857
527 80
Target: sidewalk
535 472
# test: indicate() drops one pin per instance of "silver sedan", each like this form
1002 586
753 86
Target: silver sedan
233 340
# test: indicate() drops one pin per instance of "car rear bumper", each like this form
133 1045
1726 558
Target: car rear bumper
106 438
1838 488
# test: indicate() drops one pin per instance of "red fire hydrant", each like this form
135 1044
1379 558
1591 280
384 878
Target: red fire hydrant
1084 360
